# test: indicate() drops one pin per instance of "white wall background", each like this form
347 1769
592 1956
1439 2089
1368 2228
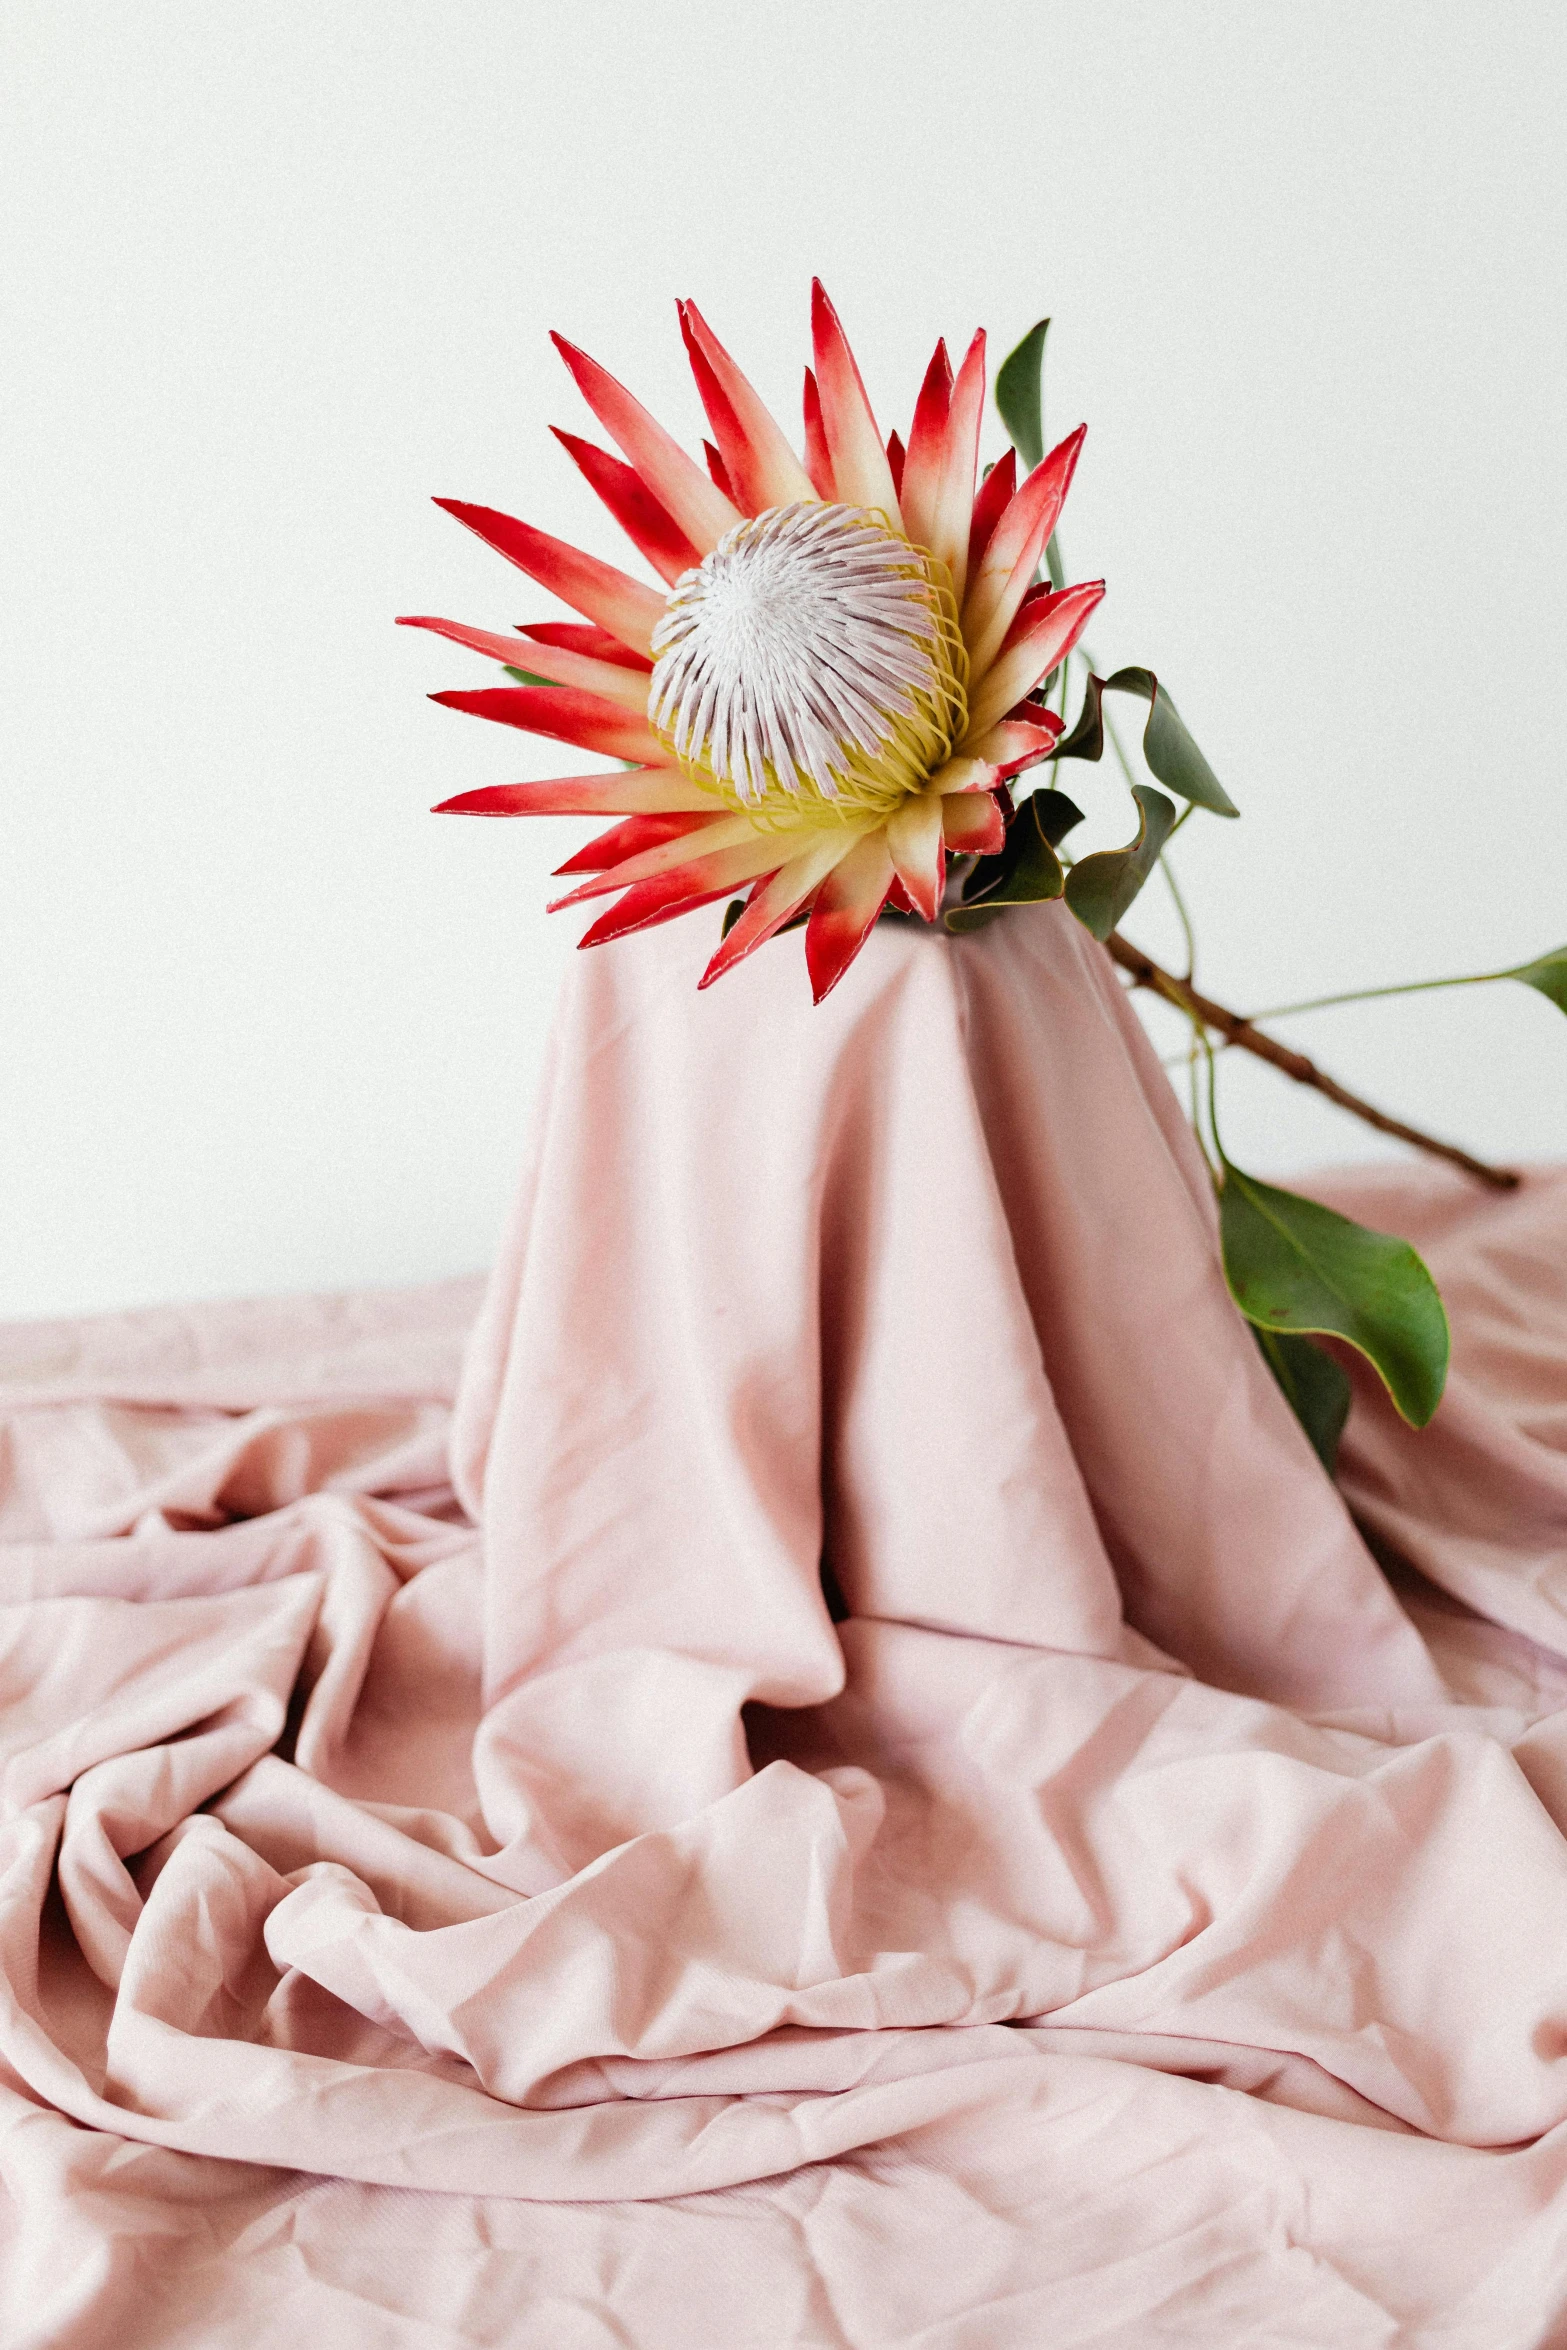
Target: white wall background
275 273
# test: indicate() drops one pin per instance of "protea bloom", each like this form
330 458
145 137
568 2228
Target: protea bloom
831 689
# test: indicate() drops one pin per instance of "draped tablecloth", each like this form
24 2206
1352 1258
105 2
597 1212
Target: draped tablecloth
820 1765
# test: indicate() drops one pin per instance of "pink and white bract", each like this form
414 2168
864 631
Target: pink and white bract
829 691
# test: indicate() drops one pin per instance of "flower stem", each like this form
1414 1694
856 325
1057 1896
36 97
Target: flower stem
1364 995
1182 914
1200 1053
1236 1030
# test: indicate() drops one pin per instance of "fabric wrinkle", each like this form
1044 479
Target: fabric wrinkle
461 1882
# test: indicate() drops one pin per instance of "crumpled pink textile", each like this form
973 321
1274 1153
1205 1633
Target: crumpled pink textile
881 1799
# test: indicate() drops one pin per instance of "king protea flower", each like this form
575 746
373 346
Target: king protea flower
830 690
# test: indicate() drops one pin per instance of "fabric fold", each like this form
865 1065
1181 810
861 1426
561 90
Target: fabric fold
850 1781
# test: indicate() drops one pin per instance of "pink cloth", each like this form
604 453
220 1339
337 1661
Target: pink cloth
1141 1919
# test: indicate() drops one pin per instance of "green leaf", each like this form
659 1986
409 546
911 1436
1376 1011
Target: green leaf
1296 1266
1169 750
1100 888
732 914
1055 814
1315 1387
1027 871
1549 974
1019 389
1054 564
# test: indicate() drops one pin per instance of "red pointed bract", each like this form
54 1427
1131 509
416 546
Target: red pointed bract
719 471
721 416
653 532
757 459
959 465
621 792
724 866
580 636
680 487
597 590
846 907
1023 618
859 459
972 825
1057 623
1018 542
627 840
625 687
1015 743
566 716
914 842
995 495
775 900
648 904
1036 509
920 488
818 457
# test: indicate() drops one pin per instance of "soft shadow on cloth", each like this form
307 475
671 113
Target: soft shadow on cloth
462 1885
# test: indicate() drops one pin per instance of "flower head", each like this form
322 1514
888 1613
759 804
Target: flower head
832 688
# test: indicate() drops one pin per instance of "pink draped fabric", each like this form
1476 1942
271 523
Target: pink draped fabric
848 1782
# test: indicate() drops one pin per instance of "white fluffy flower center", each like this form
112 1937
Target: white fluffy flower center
811 662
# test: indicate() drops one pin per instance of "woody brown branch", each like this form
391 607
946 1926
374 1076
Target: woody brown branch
1235 1030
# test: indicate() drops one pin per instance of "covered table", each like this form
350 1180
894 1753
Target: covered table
821 1765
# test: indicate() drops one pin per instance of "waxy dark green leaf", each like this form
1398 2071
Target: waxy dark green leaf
1548 973
1100 888
525 676
1168 748
1315 1387
1298 1267
1055 814
1019 395
1027 871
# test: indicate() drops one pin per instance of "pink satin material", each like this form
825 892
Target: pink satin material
1142 1918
